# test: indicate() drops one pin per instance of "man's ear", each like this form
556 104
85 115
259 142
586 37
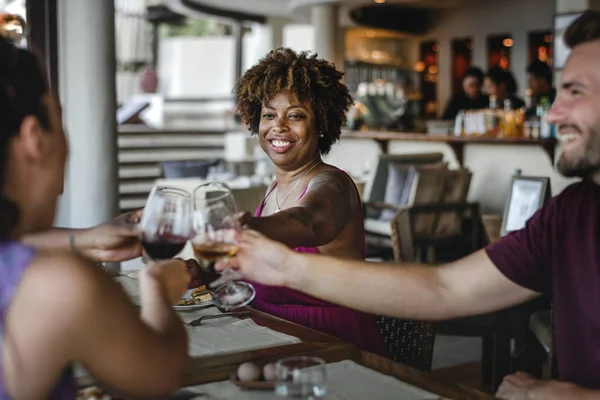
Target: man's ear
30 137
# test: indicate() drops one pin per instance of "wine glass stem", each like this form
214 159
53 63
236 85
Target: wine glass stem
228 275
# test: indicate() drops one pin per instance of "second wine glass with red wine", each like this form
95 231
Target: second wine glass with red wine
167 223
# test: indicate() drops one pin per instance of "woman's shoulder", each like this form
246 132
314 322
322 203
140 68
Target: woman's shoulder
335 176
334 182
332 170
62 276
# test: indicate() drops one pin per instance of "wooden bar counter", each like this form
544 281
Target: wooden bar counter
457 143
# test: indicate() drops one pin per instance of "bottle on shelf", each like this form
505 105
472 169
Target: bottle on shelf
459 123
493 117
542 112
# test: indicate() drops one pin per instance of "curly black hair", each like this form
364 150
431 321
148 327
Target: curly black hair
306 78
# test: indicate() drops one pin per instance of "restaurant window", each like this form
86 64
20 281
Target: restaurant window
462 53
539 46
499 51
429 77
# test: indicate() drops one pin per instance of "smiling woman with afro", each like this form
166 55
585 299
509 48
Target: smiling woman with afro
296 104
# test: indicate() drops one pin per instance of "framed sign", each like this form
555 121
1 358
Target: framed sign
527 194
561 51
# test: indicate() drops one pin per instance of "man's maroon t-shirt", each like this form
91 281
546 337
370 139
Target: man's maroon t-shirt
558 252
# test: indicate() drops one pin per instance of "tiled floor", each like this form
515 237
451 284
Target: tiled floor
454 350
458 359
468 374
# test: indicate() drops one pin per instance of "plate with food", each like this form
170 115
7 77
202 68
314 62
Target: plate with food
194 299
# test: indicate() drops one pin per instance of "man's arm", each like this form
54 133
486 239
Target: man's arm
469 286
318 218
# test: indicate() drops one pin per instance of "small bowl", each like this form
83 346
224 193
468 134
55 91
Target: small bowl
252 385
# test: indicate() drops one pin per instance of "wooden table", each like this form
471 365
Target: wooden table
217 368
208 369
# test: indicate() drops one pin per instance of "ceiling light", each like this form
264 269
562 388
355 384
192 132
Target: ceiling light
379 1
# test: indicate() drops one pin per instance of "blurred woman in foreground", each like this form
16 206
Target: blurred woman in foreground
55 307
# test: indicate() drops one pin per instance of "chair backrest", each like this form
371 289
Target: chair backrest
402 242
456 189
375 187
407 341
405 181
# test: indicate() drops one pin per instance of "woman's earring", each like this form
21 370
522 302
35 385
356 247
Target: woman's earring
321 136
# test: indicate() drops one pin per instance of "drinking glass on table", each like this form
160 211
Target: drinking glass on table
166 223
216 230
301 377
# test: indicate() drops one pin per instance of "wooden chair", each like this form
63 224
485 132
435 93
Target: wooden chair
493 329
542 348
435 225
410 342
440 213
377 229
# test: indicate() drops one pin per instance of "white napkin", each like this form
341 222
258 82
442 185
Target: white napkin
231 335
217 336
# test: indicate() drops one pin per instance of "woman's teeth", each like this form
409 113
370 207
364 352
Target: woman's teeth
280 143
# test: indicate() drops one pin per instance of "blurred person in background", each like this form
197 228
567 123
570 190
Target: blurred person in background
501 85
471 98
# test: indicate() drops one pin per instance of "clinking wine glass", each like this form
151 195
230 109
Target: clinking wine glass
215 192
166 223
217 228
209 194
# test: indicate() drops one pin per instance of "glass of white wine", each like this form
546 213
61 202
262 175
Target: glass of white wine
216 229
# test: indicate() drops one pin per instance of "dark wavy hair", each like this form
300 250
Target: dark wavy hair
585 28
500 76
475 72
303 76
541 70
22 87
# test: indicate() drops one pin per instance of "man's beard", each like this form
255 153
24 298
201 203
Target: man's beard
586 165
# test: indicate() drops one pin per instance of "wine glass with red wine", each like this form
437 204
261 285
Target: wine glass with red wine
166 223
216 230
